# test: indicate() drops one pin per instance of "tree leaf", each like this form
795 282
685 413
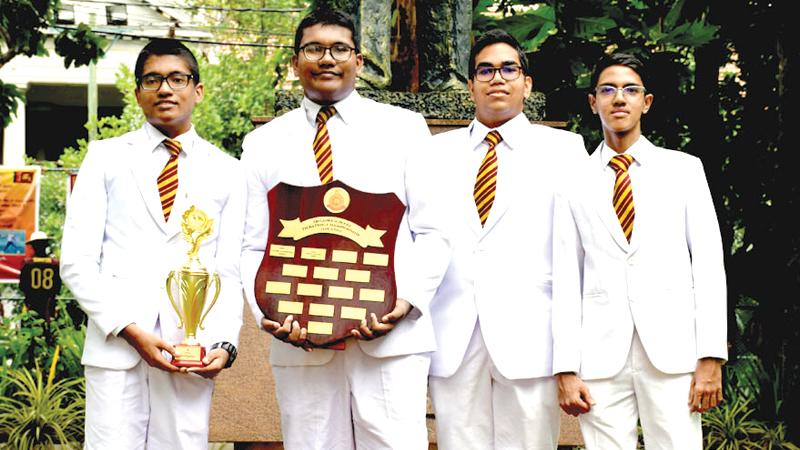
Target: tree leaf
528 25
673 15
590 27
693 34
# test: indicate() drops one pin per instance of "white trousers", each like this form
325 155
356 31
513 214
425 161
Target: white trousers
478 408
640 391
354 401
146 408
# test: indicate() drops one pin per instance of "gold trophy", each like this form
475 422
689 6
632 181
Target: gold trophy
190 285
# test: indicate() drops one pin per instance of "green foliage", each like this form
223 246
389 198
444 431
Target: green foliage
729 427
41 413
236 90
9 96
26 341
774 438
241 81
79 47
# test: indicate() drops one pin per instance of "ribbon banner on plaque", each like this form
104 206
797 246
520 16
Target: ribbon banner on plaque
329 260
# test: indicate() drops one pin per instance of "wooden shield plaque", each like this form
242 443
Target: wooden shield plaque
329 259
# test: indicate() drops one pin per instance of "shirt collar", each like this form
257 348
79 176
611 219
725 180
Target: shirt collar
346 108
512 132
155 137
640 150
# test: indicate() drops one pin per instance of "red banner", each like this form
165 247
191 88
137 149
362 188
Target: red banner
19 214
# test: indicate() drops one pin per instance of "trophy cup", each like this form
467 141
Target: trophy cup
190 286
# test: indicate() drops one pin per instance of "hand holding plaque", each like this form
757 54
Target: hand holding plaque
190 286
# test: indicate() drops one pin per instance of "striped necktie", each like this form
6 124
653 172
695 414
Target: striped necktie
623 193
322 145
168 180
486 181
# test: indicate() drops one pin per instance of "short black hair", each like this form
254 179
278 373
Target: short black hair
497 36
324 16
164 46
619 59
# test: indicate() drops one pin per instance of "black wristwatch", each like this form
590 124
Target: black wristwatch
230 348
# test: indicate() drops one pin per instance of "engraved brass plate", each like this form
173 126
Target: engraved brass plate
294 270
376 259
288 307
370 295
326 273
317 254
278 287
342 292
319 327
344 256
281 251
348 312
318 309
312 290
358 276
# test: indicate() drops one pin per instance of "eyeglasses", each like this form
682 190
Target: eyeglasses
608 91
176 81
508 72
315 52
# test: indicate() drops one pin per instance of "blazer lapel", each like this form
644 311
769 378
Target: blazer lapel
464 181
142 173
603 206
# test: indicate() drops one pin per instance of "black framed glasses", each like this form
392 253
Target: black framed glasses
315 52
609 91
175 80
508 72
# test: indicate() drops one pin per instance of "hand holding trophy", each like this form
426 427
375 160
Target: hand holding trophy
190 286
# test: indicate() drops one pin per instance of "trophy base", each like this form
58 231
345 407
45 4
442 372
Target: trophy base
188 355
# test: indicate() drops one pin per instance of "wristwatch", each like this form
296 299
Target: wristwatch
230 348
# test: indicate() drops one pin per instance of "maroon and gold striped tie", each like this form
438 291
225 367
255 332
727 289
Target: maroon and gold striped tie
486 181
168 180
322 145
623 193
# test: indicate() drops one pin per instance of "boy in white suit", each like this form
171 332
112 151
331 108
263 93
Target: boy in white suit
371 394
122 237
639 323
491 376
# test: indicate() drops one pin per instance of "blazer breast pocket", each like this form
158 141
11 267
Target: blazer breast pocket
596 298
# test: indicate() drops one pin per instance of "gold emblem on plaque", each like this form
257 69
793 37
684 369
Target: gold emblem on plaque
190 286
336 200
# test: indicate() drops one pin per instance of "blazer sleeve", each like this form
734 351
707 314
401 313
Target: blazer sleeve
430 252
256 221
226 316
82 245
568 258
708 270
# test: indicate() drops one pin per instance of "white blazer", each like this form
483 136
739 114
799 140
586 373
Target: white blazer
668 283
117 250
500 274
